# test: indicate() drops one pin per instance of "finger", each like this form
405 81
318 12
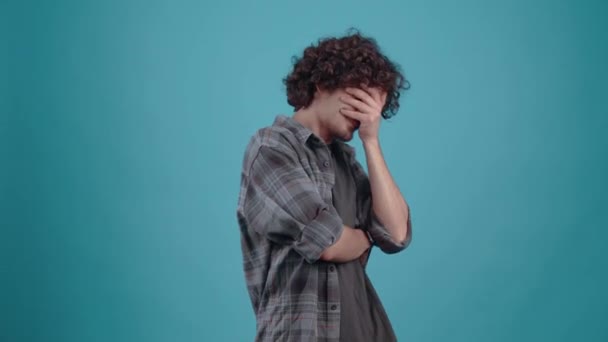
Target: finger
378 94
353 114
357 104
363 96
347 106
373 92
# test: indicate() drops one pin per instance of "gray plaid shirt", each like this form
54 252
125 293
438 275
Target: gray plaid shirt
287 220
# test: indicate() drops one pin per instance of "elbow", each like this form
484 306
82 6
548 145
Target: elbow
395 239
395 244
402 237
405 240
400 234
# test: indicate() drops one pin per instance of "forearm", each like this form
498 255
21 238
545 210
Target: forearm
388 202
351 244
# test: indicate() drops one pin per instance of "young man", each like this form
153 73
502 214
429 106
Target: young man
307 211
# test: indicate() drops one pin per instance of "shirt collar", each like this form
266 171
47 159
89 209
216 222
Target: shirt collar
301 133
305 135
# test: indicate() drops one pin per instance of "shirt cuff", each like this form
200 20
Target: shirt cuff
319 234
383 239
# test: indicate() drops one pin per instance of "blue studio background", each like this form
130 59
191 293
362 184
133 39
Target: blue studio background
124 123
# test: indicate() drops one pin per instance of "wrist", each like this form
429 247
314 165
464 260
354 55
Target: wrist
371 143
366 238
369 237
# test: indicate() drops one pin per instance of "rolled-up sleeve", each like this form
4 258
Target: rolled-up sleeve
383 239
283 204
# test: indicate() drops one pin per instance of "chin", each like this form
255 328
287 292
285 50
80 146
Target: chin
348 136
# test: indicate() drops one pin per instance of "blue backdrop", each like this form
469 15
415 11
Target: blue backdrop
124 125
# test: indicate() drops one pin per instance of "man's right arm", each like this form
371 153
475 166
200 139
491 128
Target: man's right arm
350 246
284 205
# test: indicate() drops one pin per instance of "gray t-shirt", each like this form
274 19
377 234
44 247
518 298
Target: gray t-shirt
362 315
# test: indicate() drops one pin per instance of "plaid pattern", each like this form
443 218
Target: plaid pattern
287 220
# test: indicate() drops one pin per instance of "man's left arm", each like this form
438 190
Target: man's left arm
388 204
391 222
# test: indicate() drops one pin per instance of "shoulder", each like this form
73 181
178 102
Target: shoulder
268 142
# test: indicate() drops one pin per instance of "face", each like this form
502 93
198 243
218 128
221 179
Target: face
335 124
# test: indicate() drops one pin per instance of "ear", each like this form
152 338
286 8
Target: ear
318 91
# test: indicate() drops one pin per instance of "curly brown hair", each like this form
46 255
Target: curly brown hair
337 63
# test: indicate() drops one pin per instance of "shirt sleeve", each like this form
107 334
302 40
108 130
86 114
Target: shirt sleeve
383 239
372 223
283 204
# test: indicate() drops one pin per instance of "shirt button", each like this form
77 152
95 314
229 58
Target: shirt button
332 268
334 307
326 163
